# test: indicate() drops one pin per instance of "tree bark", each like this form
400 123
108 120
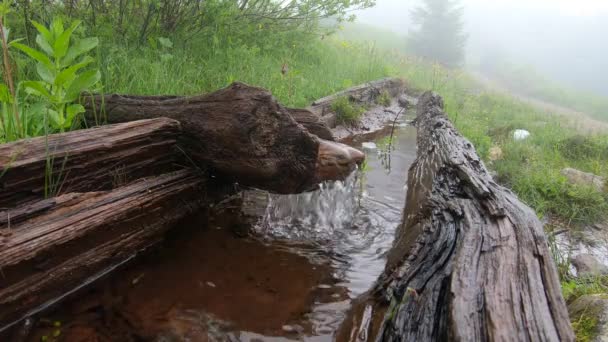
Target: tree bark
57 244
470 261
242 134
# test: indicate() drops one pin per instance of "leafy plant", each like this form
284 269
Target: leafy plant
346 111
60 66
10 122
383 99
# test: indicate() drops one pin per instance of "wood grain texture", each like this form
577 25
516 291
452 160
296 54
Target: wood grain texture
240 132
470 262
86 160
76 235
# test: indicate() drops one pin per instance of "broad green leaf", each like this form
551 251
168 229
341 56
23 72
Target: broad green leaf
57 28
44 45
37 88
46 34
83 82
46 74
71 111
63 41
67 75
80 47
56 120
35 54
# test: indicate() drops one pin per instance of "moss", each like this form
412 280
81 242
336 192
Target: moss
585 327
346 111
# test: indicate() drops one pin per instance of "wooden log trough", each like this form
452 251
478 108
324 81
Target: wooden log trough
470 261
75 205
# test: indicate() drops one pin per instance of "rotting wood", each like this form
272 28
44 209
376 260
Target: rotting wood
86 160
470 261
241 132
79 235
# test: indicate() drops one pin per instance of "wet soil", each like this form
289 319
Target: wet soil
198 280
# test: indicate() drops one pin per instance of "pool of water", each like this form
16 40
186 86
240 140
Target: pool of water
311 256
352 222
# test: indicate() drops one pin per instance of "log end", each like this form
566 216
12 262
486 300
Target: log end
335 161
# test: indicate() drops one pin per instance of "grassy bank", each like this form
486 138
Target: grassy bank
316 68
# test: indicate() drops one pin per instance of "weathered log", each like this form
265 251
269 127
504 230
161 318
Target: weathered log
470 261
365 93
241 132
49 252
97 110
312 123
86 160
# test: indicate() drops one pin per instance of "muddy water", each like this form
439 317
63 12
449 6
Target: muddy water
314 254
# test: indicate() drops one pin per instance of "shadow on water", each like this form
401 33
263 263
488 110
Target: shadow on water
314 254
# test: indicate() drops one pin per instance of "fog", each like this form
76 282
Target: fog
566 40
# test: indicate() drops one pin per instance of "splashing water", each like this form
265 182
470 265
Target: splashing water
315 215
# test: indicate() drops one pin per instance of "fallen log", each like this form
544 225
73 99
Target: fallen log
312 123
242 134
470 261
364 94
78 236
86 160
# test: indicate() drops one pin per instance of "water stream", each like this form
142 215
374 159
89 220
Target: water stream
353 222
314 253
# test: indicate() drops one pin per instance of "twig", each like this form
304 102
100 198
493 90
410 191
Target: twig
390 140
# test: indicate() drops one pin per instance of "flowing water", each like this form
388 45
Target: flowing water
314 254
353 222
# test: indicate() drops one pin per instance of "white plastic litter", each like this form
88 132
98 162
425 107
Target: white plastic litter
369 146
520 134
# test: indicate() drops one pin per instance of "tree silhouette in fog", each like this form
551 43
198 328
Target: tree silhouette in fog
438 32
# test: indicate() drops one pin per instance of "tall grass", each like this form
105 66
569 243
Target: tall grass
318 67
315 69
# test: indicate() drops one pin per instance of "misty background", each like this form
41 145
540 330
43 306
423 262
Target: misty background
562 40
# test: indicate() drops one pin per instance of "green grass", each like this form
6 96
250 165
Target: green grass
528 81
384 99
585 324
585 327
530 167
347 112
316 69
